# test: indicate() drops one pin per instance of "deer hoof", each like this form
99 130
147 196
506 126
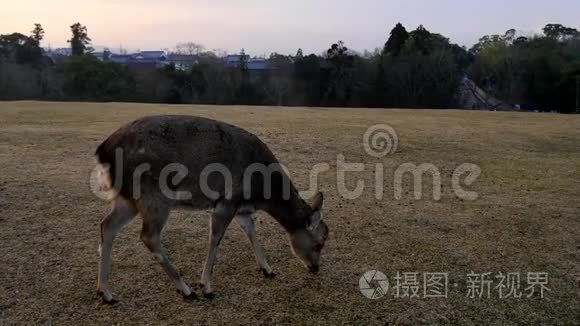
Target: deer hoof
209 296
268 275
191 297
109 301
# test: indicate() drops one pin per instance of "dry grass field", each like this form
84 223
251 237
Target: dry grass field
526 219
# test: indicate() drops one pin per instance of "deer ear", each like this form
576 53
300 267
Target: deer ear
316 202
315 220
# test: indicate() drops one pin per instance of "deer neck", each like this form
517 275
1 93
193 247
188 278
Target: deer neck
292 213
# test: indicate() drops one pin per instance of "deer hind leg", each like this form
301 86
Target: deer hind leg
218 223
121 214
154 219
247 223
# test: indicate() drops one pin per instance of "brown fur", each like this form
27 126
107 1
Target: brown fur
196 143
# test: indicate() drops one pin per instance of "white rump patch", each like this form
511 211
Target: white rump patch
101 183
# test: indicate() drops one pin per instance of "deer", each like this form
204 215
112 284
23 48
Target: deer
131 163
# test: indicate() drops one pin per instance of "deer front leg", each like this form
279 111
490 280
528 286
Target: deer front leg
247 223
218 223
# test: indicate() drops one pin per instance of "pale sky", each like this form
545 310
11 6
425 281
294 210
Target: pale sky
264 26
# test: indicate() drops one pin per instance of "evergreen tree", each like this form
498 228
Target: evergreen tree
243 63
421 40
80 41
394 45
19 48
560 32
37 33
339 81
299 54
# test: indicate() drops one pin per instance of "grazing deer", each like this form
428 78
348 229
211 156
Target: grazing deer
134 178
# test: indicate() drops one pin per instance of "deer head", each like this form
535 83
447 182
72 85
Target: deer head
307 243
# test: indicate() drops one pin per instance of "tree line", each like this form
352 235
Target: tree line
414 69
541 72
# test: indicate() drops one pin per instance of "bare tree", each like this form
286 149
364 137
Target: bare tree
189 48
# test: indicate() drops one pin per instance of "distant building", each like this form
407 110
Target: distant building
57 56
182 61
258 64
143 58
253 64
235 59
102 56
151 58
157 58
62 51
121 58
